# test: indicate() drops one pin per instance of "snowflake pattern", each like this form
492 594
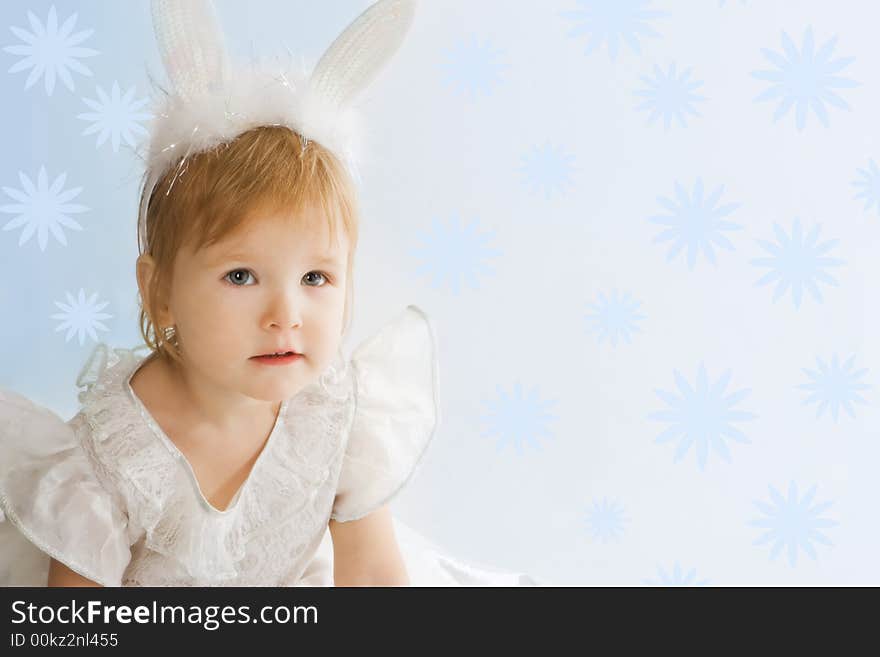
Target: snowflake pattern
473 68
518 419
42 208
614 317
797 261
870 186
81 316
611 22
670 95
547 168
835 386
115 116
606 520
695 222
702 415
676 577
455 253
805 79
50 51
792 523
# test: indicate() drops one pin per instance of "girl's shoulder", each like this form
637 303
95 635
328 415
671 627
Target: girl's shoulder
115 431
107 369
108 421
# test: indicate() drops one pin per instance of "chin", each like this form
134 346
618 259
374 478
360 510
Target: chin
278 393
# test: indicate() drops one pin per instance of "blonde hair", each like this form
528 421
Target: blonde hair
270 168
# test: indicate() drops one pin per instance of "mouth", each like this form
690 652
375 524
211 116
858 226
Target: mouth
278 359
280 354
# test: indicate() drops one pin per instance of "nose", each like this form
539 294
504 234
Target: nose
284 311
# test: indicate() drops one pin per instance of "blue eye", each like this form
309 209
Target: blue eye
319 274
239 277
235 276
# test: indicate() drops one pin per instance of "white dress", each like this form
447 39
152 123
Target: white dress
108 494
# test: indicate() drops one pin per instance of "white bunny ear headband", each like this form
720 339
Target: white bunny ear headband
212 100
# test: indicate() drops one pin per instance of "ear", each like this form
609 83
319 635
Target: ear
146 270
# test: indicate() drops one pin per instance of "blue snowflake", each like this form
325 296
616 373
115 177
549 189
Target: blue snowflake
702 415
81 316
518 419
51 50
792 523
695 222
796 261
115 116
472 67
870 186
614 317
610 22
836 386
454 254
43 208
670 96
547 168
676 577
805 79
606 520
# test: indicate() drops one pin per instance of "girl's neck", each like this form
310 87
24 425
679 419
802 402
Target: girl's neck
207 406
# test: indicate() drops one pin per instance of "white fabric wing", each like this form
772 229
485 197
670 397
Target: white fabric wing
396 412
49 492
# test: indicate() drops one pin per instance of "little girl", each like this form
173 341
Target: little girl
238 446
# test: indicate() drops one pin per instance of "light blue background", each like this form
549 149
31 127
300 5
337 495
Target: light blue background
509 190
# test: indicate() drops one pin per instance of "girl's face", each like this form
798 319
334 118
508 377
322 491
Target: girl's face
272 287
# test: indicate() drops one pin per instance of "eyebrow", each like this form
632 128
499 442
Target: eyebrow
326 260
243 255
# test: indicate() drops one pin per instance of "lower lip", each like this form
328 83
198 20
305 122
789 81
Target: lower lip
277 360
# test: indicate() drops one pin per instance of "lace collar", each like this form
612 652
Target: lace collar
302 454
277 428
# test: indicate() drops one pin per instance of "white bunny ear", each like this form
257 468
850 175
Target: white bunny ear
191 44
357 55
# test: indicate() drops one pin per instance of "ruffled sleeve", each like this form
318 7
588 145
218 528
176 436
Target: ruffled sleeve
396 412
49 492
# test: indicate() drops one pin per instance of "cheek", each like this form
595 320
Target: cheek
323 321
332 313
211 313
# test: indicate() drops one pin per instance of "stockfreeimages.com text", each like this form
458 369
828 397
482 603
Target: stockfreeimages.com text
211 617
